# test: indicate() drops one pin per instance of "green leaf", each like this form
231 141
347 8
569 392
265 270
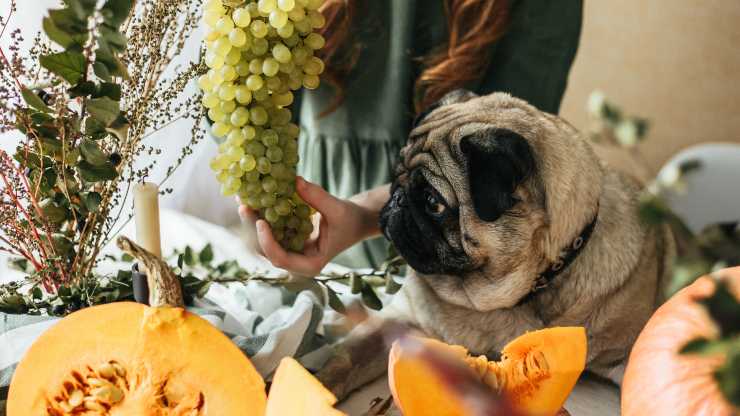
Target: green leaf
34 101
188 256
36 293
127 258
81 8
92 173
724 310
83 89
110 90
203 289
370 298
53 212
67 21
91 201
115 12
104 110
112 64
94 128
62 244
101 70
68 65
206 255
56 34
180 261
334 301
92 153
115 40
119 128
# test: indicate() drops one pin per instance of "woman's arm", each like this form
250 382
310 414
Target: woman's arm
340 224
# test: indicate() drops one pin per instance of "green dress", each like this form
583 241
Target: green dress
355 148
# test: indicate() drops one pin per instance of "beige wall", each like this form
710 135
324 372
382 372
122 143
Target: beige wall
676 62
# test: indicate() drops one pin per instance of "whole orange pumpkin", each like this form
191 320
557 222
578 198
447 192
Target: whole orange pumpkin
660 381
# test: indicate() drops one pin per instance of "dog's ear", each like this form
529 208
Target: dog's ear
498 160
456 96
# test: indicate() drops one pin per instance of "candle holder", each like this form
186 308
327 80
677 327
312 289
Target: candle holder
140 285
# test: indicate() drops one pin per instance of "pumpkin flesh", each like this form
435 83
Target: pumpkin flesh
295 391
126 359
537 372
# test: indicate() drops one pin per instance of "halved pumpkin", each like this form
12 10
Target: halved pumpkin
295 391
536 374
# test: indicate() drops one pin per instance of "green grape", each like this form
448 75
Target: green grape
253 187
317 19
222 176
249 132
254 82
258 28
237 37
281 53
242 68
270 138
214 5
287 67
274 84
314 4
314 41
280 223
278 19
228 73
243 94
296 243
292 130
266 6
313 66
258 115
209 100
260 46
248 163
220 162
278 169
255 66
241 17
233 57
283 100
271 215
235 153
220 129
297 14
293 222
269 184
235 170
263 165
255 149
290 159
211 37
236 137
232 185
253 201
302 26
302 211
239 117
306 227
295 83
216 115
215 77
311 82
278 234
286 5
281 117
252 175
292 40
221 46
262 94
270 67
253 10
227 91
267 200
301 54
286 30
227 107
283 206
205 83
224 25
213 60
211 17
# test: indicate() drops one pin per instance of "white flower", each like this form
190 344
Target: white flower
596 103
626 133
670 176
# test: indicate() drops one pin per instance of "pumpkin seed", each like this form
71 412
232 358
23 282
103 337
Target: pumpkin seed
106 370
75 399
116 394
120 371
96 382
92 404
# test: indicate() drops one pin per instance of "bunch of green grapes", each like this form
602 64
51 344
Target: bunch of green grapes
258 53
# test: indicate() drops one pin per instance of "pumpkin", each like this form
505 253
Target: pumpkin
536 374
130 359
660 381
295 391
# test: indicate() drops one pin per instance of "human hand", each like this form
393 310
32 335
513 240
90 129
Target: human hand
338 224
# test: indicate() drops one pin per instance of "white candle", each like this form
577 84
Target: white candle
146 215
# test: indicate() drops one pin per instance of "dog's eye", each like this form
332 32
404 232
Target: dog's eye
432 204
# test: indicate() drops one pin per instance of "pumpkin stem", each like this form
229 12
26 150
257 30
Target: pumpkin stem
164 285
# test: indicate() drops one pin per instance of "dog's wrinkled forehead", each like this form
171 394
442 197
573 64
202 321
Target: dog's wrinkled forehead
440 130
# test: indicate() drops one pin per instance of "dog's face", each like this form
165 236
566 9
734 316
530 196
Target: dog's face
488 190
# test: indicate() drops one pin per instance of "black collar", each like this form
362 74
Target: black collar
565 258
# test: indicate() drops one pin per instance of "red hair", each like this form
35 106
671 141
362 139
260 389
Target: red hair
473 27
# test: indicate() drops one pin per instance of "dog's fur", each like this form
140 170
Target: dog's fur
489 191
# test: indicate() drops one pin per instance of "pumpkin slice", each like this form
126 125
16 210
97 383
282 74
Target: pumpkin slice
128 359
537 372
295 391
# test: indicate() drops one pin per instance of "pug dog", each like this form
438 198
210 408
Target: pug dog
511 223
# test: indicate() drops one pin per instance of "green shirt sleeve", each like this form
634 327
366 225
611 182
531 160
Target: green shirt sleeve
533 59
